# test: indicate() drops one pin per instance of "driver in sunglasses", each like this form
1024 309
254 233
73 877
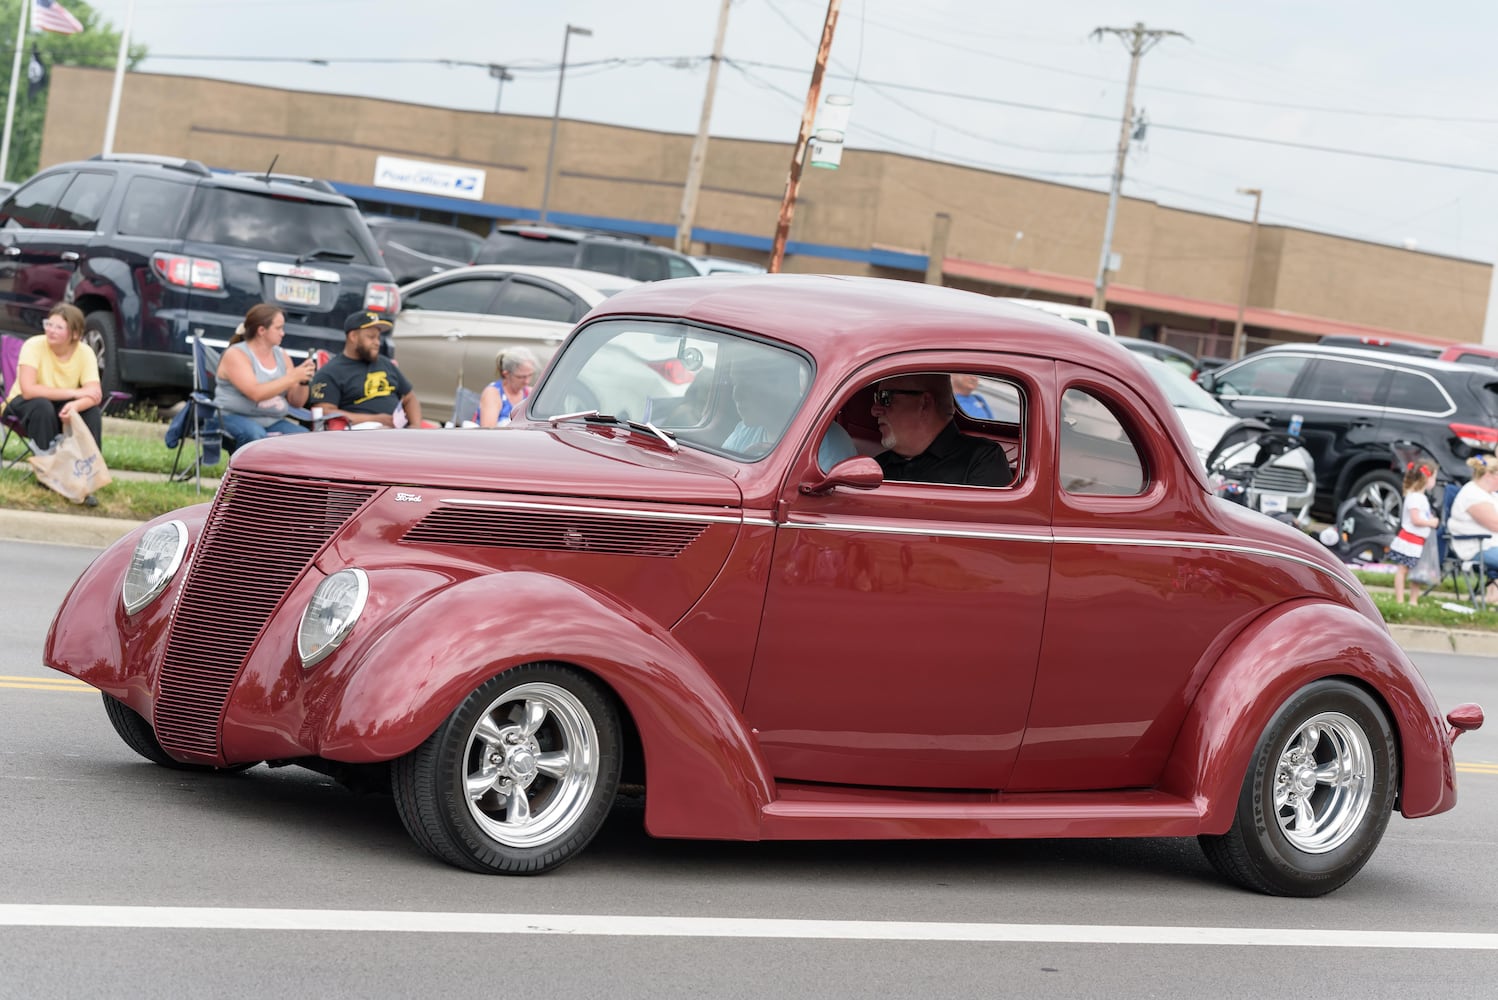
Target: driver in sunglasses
923 443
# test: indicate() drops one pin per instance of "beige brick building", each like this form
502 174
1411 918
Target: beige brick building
1180 276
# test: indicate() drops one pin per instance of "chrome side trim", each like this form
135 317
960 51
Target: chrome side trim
297 271
650 515
1002 536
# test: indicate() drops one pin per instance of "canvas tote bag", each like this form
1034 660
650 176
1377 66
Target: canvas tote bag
74 467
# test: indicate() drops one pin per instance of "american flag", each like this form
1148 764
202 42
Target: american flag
49 15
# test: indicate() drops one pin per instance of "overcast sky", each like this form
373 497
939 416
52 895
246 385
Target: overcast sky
944 79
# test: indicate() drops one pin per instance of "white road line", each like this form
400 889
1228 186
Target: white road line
215 918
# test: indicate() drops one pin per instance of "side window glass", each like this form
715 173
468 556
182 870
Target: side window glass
1265 377
647 265
606 257
472 296
911 421
83 203
153 207
30 206
680 268
521 298
1411 391
1344 382
1097 457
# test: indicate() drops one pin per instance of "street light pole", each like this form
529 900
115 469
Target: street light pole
500 73
803 140
1248 271
556 114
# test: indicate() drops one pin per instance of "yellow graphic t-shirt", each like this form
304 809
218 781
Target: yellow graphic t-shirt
74 373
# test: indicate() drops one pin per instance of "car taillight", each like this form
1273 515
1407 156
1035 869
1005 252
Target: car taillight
1477 436
381 297
189 272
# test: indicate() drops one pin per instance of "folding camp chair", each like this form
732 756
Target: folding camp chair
465 408
10 369
1469 578
198 420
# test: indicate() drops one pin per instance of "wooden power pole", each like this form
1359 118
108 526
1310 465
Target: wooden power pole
803 139
698 158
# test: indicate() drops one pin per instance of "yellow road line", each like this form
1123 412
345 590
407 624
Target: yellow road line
44 679
68 688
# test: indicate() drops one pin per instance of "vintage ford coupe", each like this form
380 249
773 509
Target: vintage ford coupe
706 584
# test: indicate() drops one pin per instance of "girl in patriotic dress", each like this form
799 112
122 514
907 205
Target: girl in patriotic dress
1414 528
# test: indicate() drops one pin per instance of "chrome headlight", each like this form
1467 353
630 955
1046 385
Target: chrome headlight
156 559
330 615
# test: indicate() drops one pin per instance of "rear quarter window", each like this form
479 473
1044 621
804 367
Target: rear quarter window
1097 457
153 207
1413 391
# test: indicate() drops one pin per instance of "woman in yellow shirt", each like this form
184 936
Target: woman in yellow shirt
58 376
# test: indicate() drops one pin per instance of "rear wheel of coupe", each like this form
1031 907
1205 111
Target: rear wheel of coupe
519 778
140 737
1317 797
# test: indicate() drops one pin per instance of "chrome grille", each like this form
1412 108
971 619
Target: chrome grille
261 535
568 531
1275 479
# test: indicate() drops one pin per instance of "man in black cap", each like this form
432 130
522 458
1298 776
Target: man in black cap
361 385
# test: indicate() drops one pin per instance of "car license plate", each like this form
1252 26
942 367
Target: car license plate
1274 503
297 291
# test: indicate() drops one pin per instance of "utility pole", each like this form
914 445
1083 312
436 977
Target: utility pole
1139 40
803 140
500 73
1248 272
556 115
699 145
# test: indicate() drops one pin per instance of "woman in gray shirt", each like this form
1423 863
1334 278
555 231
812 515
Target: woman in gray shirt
256 385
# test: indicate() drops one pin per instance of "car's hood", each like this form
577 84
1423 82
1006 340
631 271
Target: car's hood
573 461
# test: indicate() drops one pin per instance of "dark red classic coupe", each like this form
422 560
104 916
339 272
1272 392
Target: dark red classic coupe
685 568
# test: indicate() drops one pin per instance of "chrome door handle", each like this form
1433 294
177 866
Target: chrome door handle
12 251
69 255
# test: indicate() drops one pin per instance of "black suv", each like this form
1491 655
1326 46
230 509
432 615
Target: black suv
541 245
1355 403
414 249
154 250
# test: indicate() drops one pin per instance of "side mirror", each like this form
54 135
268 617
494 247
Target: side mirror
1206 380
858 473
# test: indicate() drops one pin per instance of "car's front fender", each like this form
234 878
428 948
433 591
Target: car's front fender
1281 652
706 777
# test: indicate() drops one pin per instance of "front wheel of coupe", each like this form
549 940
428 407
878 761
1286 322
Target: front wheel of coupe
140 737
1319 792
519 778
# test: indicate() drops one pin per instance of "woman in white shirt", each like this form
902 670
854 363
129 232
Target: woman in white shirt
1475 512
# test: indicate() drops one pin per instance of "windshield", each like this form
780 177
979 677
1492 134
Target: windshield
1180 390
712 390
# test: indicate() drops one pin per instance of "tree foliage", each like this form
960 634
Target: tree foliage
98 44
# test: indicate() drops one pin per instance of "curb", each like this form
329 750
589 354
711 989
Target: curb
101 532
63 529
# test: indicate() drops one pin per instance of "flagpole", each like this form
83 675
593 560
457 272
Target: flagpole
119 80
15 81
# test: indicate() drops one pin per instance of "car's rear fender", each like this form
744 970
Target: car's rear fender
706 777
1286 648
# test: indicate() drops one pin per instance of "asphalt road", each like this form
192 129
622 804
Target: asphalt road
294 874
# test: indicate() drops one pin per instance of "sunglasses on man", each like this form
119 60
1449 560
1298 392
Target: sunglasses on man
884 397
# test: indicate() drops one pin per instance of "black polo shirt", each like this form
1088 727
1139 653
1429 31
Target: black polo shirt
349 384
953 458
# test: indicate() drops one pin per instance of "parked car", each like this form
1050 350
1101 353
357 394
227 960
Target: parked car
550 246
1172 356
1279 481
452 325
775 641
414 249
1092 319
1467 354
155 250
726 265
1354 404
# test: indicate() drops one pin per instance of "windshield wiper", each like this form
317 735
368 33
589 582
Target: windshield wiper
321 254
594 417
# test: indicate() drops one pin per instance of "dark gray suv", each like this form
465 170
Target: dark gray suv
155 250
1354 404
552 247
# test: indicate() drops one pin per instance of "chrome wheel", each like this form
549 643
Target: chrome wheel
1379 494
520 777
532 764
1321 783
